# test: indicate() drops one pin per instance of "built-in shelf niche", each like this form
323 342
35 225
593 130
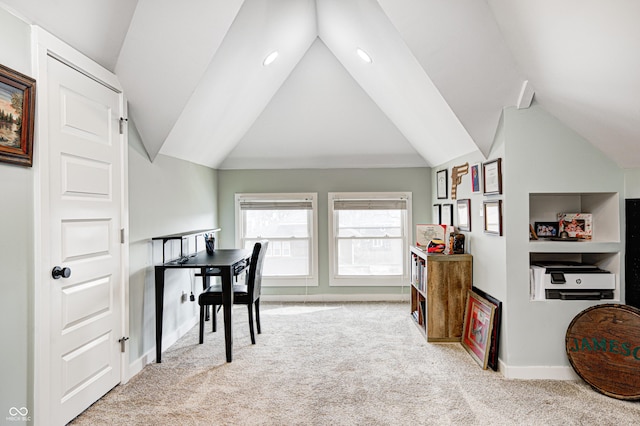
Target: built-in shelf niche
605 208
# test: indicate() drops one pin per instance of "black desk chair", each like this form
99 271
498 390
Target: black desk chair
247 294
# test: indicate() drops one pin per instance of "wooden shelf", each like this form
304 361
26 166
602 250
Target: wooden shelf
439 285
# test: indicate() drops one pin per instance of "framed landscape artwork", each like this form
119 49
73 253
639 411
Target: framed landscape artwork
17 111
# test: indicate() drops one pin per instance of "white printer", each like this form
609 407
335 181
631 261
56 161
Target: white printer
571 281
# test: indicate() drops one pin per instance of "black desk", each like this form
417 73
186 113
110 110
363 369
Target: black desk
231 262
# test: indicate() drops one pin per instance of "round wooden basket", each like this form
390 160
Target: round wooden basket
603 346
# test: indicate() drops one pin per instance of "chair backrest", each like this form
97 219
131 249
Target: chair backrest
254 280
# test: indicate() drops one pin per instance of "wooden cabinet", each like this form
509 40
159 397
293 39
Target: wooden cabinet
439 284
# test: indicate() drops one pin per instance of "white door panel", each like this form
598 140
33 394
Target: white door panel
85 166
86 178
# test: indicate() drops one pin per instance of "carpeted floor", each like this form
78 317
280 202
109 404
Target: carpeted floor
341 364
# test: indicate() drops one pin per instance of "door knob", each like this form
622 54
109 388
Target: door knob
59 272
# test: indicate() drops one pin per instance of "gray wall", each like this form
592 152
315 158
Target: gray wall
539 154
415 180
165 197
544 155
16 248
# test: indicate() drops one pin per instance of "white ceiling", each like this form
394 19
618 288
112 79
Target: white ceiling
442 71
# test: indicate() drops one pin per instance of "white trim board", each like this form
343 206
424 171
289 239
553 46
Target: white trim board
538 372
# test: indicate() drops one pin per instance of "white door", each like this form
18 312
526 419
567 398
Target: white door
85 160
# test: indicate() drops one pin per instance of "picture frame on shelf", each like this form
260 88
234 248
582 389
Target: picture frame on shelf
576 225
435 214
446 217
475 178
492 177
17 114
428 232
464 214
546 229
492 361
442 183
493 217
477 327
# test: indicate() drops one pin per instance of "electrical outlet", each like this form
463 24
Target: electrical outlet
185 297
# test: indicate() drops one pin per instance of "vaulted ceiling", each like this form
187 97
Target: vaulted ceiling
441 73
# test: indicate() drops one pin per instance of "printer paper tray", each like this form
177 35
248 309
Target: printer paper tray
579 294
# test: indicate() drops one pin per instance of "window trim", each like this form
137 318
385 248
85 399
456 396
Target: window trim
284 281
369 281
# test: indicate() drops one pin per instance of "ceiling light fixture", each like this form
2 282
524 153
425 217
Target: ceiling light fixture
270 58
364 55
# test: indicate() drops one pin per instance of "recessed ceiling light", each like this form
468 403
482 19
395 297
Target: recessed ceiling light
364 55
270 58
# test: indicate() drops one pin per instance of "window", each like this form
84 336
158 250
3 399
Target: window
289 222
369 238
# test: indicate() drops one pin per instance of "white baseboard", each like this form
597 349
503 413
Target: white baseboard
336 298
136 366
167 340
538 372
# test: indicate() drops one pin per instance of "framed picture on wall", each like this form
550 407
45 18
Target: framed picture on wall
475 178
464 214
442 183
435 215
17 112
492 177
493 217
446 217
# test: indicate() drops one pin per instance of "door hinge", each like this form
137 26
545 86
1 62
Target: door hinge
122 121
123 342
122 236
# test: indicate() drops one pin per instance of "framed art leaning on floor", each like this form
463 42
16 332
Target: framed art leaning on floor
477 327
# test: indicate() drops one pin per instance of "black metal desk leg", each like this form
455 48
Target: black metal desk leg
159 276
227 299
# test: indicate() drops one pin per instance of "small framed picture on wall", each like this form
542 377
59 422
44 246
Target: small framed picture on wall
446 217
442 184
475 178
493 217
464 214
435 215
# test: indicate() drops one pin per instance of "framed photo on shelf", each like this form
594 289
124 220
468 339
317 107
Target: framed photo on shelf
17 113
464 214
477 327
546 229
446 217
493 217
492 177
435 215
576 225
475 178
492 362
442 183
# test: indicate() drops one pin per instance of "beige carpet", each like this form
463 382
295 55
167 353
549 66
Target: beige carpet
341 364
